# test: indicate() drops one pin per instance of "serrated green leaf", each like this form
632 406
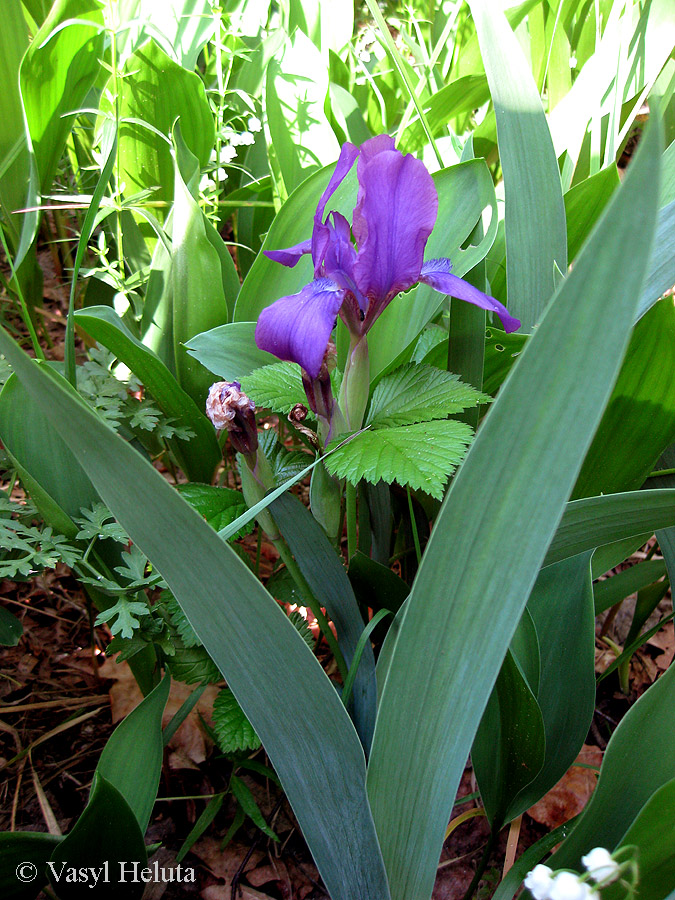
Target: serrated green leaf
420 456
277 387
179 621
193 664
414 394
219 506
247 802
302 626
233 730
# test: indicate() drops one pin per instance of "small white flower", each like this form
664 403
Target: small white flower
205 182
254 124
227 154
539 881
566 886
600 865
573 62
246 138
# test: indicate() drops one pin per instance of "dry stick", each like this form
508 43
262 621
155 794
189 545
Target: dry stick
236 878
45 806
48 704
512 844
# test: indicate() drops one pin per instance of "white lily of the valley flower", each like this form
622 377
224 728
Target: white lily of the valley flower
600 865
539 881
567 886
254 124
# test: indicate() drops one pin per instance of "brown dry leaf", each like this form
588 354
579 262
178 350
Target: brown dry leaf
571 793
664 640
189 742
224 863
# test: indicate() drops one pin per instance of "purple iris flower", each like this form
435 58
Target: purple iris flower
395 213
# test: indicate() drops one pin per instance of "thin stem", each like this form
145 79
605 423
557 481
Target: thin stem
413 525
22 300
482 865
350 497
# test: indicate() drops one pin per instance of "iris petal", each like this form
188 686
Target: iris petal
395 213
436 273
291 256
321 231
298 327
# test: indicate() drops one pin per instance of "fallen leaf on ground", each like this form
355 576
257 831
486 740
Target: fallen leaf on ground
188 745
571 793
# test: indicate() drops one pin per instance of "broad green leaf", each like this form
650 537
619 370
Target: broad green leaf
500 514
610 555
195 273
11 629
375 585
645 736
597 521
219 506
417 393
661 270
566 694
57 72
247 634
277 387
18 847
132 759
197 456
535 214
584 204
229 351
107 831
461 96
421 456
509 748
501 352
639 422
49 461
14 154
301 140
328 581
612 590
154 91
653 833
232 729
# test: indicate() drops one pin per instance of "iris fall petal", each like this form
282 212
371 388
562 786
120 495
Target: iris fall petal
297 328
436 273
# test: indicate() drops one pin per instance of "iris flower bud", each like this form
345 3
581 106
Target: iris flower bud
230 409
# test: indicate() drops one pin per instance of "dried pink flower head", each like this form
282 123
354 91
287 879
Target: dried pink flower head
230 409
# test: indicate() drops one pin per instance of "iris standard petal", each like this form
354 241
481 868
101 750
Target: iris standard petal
320 233
436 273
297 328
291 256
395 213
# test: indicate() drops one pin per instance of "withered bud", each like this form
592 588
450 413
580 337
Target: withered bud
298 413
229 408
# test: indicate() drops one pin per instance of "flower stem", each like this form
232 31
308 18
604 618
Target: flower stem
350 498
